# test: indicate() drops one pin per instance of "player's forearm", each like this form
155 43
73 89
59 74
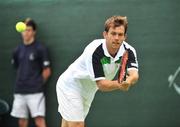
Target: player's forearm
46 74
132 78
107 85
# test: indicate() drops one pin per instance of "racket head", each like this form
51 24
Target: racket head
123 65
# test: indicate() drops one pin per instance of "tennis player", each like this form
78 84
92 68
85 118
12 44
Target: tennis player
95 70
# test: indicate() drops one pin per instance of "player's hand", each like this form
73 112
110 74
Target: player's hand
124 86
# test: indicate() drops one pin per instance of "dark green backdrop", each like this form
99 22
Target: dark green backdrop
67 26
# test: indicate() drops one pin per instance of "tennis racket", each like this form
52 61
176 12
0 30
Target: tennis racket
122 69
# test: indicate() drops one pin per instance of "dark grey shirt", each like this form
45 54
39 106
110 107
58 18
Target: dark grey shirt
30 61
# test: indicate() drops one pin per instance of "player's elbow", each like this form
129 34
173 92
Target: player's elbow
135 78
102 86
49 72
46 73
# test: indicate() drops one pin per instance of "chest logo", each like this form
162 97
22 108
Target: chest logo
110 68
31 56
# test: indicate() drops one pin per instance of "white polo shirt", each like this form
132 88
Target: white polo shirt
94 64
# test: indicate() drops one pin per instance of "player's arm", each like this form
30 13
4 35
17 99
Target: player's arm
132 74
132 77
14 60
46 73
108 85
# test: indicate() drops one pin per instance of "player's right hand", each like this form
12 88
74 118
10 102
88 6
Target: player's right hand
124 86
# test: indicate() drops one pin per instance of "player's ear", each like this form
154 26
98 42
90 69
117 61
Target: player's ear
104 34
34 32
125 37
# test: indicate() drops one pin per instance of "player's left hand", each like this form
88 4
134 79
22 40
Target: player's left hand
125 86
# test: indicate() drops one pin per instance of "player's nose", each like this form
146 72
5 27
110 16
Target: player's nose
116 37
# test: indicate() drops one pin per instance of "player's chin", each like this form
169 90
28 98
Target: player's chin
115 46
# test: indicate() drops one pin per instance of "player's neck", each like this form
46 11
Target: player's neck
114 54
29 42
112 51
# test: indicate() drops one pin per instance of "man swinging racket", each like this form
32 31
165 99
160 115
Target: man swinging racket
95 70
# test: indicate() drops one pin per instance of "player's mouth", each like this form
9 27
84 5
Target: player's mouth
116 43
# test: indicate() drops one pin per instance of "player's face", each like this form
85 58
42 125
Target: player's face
28 34
114 37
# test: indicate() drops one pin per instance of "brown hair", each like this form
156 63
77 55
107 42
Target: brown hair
31 23
116 21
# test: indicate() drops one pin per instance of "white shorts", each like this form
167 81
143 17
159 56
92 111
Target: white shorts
25 103
72 105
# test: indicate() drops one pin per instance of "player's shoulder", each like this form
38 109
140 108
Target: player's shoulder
18 48
128 46
91 47
40 45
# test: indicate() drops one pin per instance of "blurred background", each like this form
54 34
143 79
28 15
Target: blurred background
67 26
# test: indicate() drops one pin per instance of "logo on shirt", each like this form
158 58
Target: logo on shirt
173 80
110 68
31 56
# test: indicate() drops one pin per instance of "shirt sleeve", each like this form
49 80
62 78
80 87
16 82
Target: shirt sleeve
14 59
97 67
93 64
132 60
44 57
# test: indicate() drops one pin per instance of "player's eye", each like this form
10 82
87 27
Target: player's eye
113 33
120 34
